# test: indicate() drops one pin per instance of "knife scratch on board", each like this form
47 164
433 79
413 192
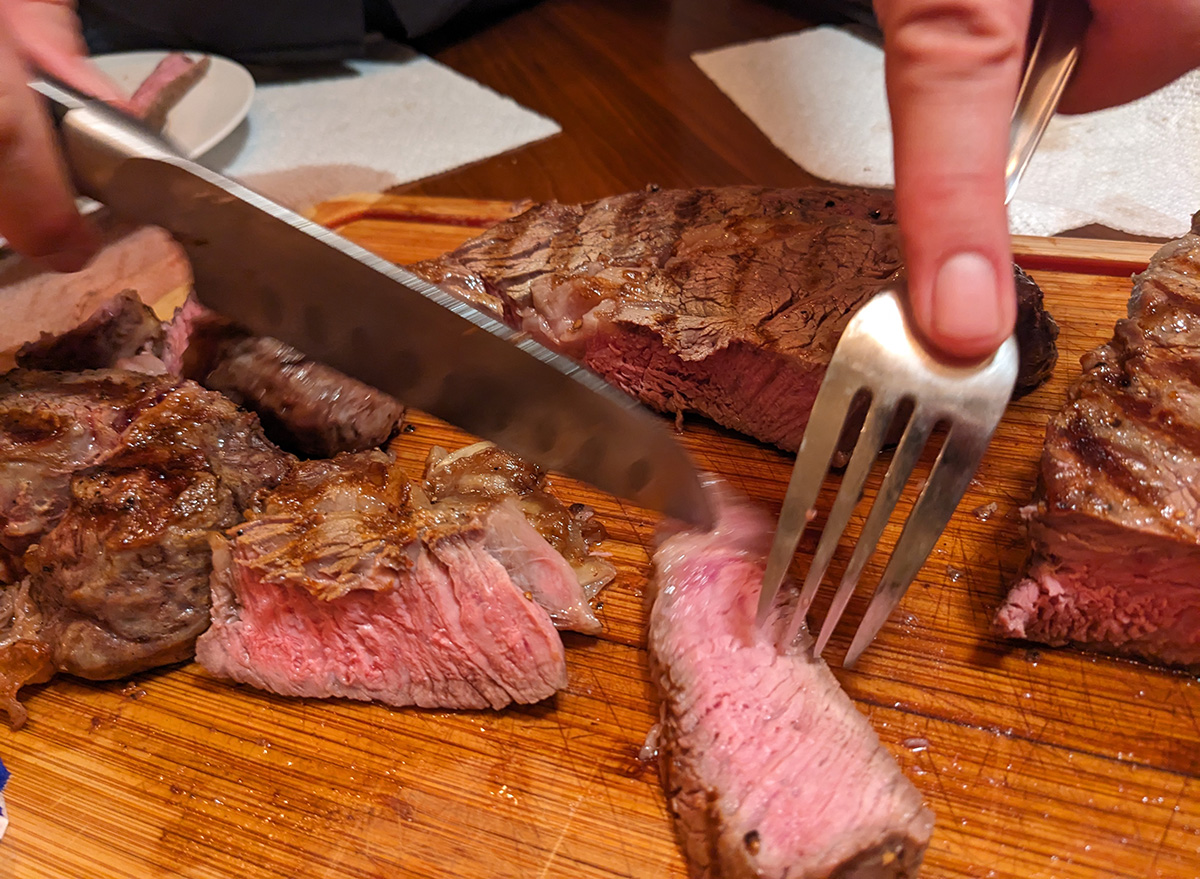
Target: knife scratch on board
553 853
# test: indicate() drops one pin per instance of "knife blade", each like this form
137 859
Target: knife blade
279 274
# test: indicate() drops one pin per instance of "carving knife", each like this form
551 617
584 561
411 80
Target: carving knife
279 274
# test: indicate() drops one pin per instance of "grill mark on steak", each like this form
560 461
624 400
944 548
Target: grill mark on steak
698 273
1100 456
117 570
1114 526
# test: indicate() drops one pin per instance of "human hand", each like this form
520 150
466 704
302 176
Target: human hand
953 68
37 207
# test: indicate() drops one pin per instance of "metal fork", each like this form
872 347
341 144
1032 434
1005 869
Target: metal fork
880 356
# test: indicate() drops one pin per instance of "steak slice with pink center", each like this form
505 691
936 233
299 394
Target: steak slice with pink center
347 585
769 768
1115 522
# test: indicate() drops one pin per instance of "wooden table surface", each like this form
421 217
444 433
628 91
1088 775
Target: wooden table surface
1037 762
618 78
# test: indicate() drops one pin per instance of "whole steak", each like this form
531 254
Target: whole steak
769 768
727 302
1115 523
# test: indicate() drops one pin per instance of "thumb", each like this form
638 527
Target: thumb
953 67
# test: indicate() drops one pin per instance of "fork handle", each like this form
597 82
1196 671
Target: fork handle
1051 62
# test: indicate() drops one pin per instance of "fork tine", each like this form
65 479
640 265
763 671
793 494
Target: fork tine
912 443
956 464
866 452
817 446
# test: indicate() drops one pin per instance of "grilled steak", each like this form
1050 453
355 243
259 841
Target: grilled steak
51 426
347 584
769 769
119 330
1115 523
171 79
304 406
545 547
727 302
117 580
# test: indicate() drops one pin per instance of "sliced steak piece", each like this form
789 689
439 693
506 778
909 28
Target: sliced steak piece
342 586
34 301
120 583
119 330
52 425
727 302
1115 521
769 768
173 77
305 406
545 547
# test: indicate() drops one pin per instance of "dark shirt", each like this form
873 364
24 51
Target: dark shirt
266 31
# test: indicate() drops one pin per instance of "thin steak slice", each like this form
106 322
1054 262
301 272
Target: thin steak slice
1115 522
770 770
172 78
727 302
120 583
305 406
343 585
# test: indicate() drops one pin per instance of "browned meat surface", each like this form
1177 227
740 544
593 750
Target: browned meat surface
347 584
51 426
726 302
119 330
116 577
305 406
166 86
1115 523
770 770
35 302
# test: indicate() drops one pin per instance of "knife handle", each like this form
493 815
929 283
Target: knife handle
98 139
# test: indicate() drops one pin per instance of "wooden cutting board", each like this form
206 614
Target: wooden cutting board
1037 762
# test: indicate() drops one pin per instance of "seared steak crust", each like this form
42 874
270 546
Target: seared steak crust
121 328
1115 523
305 406
53 424
727 302
770 770
129 475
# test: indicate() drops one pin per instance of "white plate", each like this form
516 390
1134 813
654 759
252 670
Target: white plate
208 113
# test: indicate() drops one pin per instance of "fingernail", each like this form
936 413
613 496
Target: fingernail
966 306
75 252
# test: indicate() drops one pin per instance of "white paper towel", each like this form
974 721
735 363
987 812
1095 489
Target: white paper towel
394 118
819 96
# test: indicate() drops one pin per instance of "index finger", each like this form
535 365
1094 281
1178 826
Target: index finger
953 67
